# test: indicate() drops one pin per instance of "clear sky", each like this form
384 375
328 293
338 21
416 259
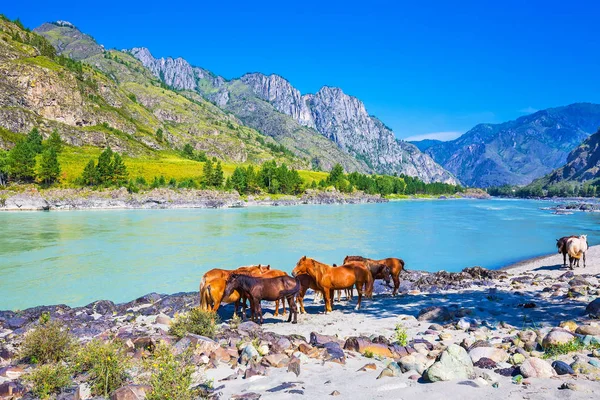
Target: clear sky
422 67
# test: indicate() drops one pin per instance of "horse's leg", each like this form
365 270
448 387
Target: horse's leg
564 259
294 311
396 278
260 313
327 295
359 289
300 299
276 314
583 260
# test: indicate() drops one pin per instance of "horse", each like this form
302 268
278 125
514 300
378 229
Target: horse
561 244
306 282
212 287
395 266
274 273
328 278
270 289
576 248
378 271
349 292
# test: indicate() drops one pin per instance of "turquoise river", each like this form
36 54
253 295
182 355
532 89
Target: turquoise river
76 257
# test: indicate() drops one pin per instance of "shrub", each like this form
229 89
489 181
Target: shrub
170 375
106 363
49 379
50 342
401 335
196 321
553 351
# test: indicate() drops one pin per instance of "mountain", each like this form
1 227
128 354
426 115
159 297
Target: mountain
110 98
424 144
583 165
519 151
329 126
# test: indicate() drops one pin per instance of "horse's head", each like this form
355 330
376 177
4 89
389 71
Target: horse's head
264 268
301 267
584 238
346 260
231 284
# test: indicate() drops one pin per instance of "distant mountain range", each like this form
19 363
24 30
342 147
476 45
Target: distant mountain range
220 117
519 151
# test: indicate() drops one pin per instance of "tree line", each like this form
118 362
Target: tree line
560 189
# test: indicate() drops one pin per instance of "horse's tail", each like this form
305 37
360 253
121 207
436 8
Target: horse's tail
201 290
291 292
402 265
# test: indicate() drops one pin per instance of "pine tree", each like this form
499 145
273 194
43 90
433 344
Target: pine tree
238 180
208 172
217 176
118 169
50 168
228 184
89 176
55 142
336 174
21 162
159 135
3 168
34 138
105 166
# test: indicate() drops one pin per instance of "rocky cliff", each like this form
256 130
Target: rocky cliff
519 151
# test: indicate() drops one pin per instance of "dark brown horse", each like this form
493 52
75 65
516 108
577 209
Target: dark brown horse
306 282
269 289
561 245
395 266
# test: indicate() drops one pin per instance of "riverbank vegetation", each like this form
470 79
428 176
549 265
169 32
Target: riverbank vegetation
50 163
561 189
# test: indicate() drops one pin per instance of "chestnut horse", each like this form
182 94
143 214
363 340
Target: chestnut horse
270 289
213 283
306 282
328 278
395 266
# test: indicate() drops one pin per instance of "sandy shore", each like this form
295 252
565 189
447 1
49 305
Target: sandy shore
552 264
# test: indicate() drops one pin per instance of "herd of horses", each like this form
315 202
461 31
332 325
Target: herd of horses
259 282
573 246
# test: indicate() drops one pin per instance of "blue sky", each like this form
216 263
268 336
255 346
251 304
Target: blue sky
427 67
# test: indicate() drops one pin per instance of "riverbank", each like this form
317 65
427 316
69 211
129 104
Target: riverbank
552 264
476 333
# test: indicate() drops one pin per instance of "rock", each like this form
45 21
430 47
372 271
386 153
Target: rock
445 336
596 353
294 366
562 368
249 354
595 363
570 386
593 330
536 368
16 322
584 368
370 366
221 355
263 349
319 340
463 323
558 336
255 370
434 314
131 392
593 309
495 354
364 345
163 319
415 362
392 369
201 343
103 307
248 326
334 393
485 363
10 390
454 363
436 327
517 359
334 353
246 396
11 372
510 371
277 360
83 392
571 326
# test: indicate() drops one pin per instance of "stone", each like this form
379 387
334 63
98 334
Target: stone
319 340
16 322
562 368
445 336
415 362
436 327
248 354
485 363
83 392
255 370
593 330
595 363
536 368
103 307
11 372
277 360
463 323
248 326
10 390
334 353
596 353
364 345
558 336
263 349
221 355
163 319
434 314
201 343
246 396
584 368
498 355
294 366
593 309
453 363
370 366
334 393
391 370
517 359
571 326
131 392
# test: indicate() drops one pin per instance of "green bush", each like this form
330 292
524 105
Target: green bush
400 335
106 363
48 379
196 321
170 375
50 342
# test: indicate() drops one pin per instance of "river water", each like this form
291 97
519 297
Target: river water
75 257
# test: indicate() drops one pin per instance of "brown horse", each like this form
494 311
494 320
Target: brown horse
270 289
274 273
213 283
561 245
395 266
328 278
306 282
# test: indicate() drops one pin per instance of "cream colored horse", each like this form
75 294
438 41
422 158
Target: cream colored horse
576 248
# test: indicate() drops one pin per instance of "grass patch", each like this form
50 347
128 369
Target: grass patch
50 342
576 345
197 322
400 335
170 375
48 379
106 363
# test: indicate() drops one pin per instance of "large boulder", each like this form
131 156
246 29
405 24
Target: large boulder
131 392
593 330
364 345
498 355
536 368
435 314
453 363
558 336
593 309
415 362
